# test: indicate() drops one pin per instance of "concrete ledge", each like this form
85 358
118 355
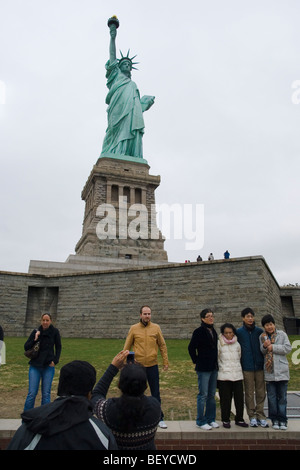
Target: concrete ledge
184 435
188 430
76 264
8 428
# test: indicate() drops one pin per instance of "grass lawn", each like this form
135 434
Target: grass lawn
178 385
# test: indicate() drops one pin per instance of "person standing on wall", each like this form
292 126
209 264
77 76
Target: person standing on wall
253 369
42 367
203 349
144 338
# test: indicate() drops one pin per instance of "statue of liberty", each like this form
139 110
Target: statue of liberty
125 107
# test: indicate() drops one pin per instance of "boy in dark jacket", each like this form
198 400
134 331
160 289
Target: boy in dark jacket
252 364
68 422
204 354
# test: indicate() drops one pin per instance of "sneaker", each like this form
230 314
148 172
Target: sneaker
253 423
213 424
275 425
242 424
263 423
283 426
205 427
226 424
162 424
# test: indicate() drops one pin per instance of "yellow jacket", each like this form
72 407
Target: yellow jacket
145 341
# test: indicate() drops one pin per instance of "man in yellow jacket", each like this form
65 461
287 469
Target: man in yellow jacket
144 338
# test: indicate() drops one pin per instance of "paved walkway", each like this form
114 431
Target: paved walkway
188 430
179 428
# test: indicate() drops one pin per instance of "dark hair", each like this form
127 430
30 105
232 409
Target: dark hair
246 311
267 319
131 404
205 311
141 309
46 313
227 325
133 379
76 378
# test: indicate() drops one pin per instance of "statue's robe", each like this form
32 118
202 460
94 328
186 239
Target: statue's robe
124 114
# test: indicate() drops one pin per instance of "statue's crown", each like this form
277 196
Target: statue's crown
126 57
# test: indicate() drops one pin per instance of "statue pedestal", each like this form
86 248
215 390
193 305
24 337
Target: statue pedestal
125 188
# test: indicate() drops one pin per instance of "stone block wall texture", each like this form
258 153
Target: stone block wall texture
128 179
105 305
228 444
290 298
193 445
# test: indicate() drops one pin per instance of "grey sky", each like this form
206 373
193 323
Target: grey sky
223 132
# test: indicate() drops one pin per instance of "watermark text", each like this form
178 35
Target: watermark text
136 221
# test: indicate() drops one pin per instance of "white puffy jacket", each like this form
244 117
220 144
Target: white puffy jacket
229 360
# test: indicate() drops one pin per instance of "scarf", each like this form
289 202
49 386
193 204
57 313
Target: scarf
269 365
209 329
229 341
249 327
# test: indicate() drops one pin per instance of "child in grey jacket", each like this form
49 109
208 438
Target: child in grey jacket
275 345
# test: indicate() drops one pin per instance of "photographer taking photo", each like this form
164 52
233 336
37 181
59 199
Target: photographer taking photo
133 417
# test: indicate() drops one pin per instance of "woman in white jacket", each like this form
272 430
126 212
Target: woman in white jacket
230 375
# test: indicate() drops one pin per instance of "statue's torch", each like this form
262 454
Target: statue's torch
113 21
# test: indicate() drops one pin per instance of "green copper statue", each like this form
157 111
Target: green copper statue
125 107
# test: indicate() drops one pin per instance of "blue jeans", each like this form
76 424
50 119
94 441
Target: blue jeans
153 381
277 400
206 403
36 374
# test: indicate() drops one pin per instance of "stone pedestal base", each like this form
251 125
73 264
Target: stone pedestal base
120 220
84 264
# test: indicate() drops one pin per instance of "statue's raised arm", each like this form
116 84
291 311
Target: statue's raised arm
113 24
125 107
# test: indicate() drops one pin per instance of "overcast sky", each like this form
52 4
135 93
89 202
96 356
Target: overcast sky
224 130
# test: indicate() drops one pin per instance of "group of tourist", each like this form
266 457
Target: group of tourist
237 362
211 257
247 361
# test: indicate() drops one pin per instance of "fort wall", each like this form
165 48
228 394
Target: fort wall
106 304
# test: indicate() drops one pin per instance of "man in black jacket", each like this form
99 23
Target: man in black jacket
203 350
68 422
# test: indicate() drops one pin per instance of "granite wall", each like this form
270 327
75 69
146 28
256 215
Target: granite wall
104 305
